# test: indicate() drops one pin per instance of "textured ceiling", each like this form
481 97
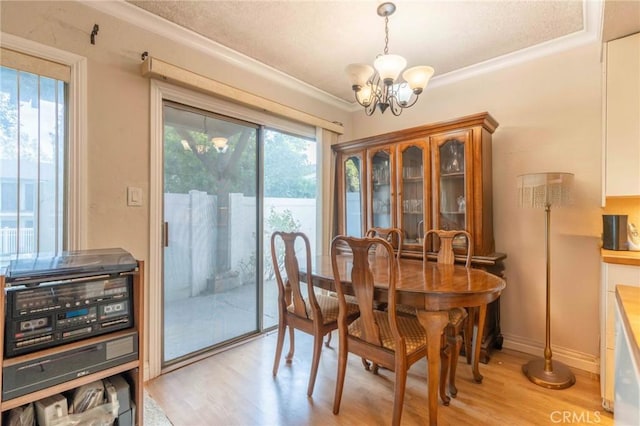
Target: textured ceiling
313 41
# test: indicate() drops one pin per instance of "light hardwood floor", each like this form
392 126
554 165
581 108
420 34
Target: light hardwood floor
236 387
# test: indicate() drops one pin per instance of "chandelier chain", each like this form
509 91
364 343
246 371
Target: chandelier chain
386 35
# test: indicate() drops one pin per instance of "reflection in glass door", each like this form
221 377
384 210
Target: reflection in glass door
353 196
210 292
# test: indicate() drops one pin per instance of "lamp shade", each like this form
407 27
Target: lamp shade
359 74
220 144
404 93
540 190
389 67
418 77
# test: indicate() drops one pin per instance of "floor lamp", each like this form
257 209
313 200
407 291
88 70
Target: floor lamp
543 190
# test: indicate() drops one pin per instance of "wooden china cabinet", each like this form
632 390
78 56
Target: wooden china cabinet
436 176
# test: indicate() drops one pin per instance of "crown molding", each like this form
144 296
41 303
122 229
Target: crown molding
160 26
592 33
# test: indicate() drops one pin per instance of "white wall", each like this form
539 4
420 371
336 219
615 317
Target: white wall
550 118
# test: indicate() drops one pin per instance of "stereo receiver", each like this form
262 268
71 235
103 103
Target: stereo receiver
39 371
54 313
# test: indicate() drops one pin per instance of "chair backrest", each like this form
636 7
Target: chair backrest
392 235
290 291
360 274
446 253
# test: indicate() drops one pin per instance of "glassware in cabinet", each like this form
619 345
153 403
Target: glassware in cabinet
381 195
451 183
413 201
452 178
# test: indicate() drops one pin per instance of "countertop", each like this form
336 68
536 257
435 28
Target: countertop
629 300
621 257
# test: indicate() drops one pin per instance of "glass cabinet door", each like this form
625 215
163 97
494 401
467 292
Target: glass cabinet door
413 201
380 189
352 173
451 190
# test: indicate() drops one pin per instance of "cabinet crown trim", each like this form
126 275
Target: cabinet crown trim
483 119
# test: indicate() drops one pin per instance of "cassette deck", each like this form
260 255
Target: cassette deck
57 313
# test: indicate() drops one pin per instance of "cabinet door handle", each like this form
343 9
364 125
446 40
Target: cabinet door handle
165 234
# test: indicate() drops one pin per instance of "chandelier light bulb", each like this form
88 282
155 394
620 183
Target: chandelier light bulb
365 95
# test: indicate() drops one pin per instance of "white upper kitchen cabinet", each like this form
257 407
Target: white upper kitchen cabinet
622 112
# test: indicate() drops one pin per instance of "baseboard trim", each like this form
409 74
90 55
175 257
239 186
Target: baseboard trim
572 358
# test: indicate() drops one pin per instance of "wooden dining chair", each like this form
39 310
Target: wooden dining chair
394 236
456 331
299 306
391 341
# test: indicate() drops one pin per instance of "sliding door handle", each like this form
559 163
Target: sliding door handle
165 234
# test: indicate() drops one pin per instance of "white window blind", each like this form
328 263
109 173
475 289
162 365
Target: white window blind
20 61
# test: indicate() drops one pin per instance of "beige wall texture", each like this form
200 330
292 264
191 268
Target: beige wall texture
550 117
549 112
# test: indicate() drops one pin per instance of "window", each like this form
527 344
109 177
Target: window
33 146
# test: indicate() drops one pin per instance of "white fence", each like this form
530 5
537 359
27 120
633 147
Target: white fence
190 259
12 240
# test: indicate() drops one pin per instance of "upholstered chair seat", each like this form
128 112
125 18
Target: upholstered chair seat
329 307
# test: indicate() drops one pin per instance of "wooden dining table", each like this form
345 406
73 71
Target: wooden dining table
433 289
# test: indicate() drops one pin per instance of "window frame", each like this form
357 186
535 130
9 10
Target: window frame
75 236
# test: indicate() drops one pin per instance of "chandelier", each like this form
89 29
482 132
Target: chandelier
380 87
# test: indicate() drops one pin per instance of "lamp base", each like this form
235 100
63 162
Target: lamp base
560 377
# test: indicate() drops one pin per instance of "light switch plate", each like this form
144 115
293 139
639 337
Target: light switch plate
134 196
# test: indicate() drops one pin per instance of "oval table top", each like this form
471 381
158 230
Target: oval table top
426 285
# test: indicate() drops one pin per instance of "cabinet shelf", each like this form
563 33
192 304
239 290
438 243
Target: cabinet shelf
66 386
456 175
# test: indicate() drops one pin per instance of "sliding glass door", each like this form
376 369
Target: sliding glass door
211 206
290 194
